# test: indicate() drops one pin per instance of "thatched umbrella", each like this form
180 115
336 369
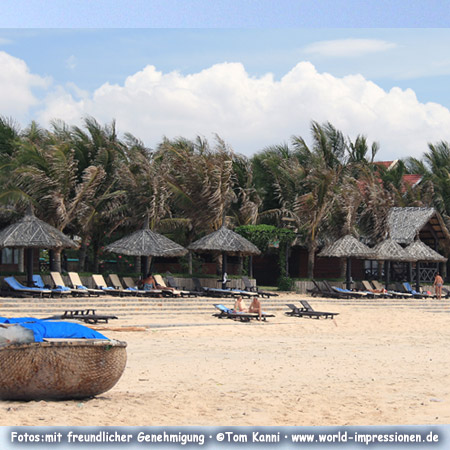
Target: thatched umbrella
347 247
226 242
31 232
387 251
421 252
146 243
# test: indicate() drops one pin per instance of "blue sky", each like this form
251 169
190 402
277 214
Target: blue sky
255 72
224 13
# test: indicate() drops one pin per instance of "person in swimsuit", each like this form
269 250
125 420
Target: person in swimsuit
438 283
255 307
239 305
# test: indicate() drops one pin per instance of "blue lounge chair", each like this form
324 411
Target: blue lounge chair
414 293
57 290
15 288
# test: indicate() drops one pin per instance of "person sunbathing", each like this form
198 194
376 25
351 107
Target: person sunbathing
149 282
255 307
239 305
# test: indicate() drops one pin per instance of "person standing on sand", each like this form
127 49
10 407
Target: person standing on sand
438 283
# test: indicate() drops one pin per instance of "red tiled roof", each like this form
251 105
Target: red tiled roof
385 164
412 179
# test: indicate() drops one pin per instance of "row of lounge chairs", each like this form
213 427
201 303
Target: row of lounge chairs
124 287
372 289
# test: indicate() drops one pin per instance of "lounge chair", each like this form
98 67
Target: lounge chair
227 313
309 309
184 292
56 291
167 291
372 291
251 288
100 283
323 290
307 312
131 285
348 292
414 293
213 292
79 287
59 283
117 284
396 294
88 316
19 290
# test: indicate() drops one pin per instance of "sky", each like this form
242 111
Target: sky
254 72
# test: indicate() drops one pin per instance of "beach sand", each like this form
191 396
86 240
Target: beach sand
371 365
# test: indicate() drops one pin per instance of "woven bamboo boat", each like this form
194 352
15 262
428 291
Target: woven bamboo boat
60 369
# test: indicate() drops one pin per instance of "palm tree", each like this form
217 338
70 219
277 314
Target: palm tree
201 179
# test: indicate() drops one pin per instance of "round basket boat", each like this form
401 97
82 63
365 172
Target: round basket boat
60 370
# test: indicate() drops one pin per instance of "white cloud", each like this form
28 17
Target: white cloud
71 62
247 112
16 86
251 113
348 48
4 41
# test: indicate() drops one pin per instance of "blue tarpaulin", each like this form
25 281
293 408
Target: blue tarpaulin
48 329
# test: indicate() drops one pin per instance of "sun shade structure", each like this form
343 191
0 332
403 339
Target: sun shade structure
146 243
31 232
388 250
226 242
421 252
347 247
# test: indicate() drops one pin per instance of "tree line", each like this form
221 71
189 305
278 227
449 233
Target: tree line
89 182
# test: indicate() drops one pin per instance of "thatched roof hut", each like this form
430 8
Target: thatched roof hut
146 242
347 247
405 224
226 241
389 250
31 232
421 252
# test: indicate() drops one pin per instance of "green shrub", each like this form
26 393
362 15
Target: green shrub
285 284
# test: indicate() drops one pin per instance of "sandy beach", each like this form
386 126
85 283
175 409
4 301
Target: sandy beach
377 363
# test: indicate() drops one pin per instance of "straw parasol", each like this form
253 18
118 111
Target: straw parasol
146 242
226 242
31 232
388 250
347 247
421 252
